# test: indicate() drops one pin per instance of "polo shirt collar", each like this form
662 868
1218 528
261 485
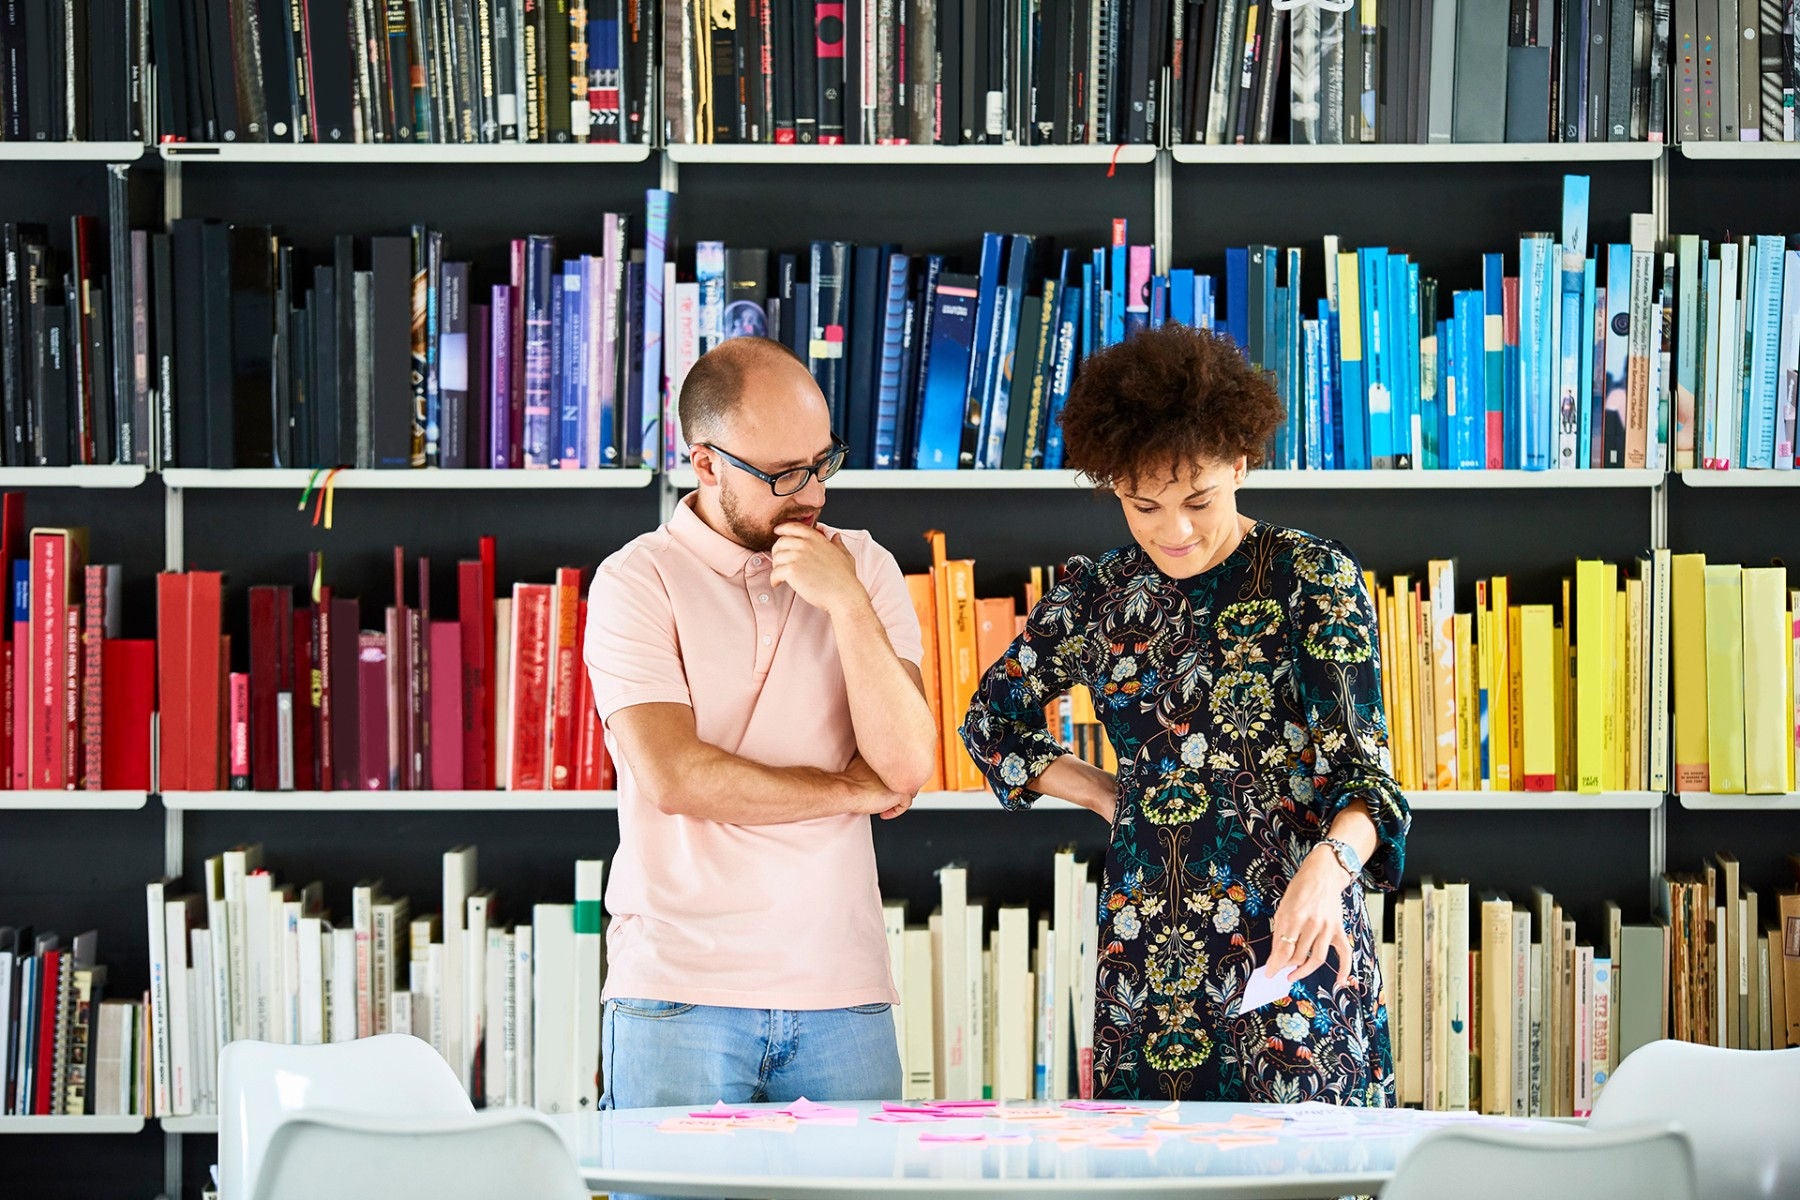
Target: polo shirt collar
706 543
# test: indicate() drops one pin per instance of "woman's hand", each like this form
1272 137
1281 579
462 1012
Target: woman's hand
1309 921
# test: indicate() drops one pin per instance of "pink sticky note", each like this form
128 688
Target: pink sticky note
908 1118
952 1137
719 1112
806 1110
1095 1106
965 1104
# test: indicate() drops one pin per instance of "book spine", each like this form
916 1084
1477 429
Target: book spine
93 645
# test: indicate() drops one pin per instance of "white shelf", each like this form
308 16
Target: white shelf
402 153
1512 152
1715 801
1459 480
1741 477
78 477
296 479
71 1124
1262 479
915 156
1446 801
74 800
969 801
433 801
929 481
205 1123
1742 151
118 152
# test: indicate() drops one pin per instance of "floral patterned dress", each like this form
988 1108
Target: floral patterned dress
1245 708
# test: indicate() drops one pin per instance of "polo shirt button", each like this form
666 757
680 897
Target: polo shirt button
756 561
763 599
765 639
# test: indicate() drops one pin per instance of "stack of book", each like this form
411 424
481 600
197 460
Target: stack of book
514 1011
497 697
1508 698
1737 352
77 697
59 366
1420 71
1735 649
343 71
72 72
65 1050
1711 921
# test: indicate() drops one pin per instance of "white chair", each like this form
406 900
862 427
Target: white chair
503 1154
1648 1163
1737 1107
262 1084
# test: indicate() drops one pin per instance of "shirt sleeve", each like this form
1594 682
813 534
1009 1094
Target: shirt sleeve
631 652
1339 677
1005 730
880 574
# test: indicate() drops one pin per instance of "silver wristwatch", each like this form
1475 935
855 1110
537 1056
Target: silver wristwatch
1347 856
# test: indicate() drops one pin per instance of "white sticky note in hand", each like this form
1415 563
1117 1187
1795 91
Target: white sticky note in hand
1263 988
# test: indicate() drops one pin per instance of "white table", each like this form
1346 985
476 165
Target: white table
1314 1152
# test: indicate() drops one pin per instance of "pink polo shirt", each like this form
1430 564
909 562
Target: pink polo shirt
740 916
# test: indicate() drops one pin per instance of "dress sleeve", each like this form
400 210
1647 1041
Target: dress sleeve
1338 672
1005 730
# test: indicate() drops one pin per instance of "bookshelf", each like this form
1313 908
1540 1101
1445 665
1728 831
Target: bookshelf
1573 154
1715 802
1267 480
419 801
297 478
66 1125
206 1124
1740 479
72 477
71 152
907 156
401 154
73 801
1742 151
1586 846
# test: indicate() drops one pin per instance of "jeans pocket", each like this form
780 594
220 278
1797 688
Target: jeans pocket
652 1010
868 1009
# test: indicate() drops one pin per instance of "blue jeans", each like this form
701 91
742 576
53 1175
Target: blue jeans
658 1053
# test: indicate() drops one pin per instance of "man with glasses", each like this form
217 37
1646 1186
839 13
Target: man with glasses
758 676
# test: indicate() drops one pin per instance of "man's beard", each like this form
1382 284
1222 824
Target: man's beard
747 533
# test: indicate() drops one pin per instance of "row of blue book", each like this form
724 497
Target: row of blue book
1737 360
1562 364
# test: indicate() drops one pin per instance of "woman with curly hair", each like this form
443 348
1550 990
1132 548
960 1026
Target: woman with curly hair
1234 666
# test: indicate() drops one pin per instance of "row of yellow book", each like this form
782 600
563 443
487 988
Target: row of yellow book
1735 647
1508 697
1527 697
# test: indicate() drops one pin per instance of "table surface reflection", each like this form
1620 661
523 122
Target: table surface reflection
1035 1148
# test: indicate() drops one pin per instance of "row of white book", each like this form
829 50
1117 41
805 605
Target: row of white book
515 1011
1492 1006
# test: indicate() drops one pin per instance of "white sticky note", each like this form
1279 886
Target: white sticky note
1263 988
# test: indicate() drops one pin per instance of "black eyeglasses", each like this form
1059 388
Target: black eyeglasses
787 482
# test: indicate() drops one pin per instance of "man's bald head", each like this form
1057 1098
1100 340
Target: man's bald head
718 386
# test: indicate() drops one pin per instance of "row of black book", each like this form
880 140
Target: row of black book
70 71
340 71
59 353
1419 71
924 72
946 72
